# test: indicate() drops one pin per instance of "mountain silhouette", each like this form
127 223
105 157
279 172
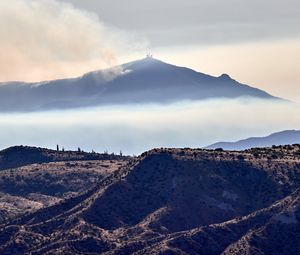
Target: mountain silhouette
279 138
143 81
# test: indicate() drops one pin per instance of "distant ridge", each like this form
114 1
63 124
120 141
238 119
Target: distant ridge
279 138
143 81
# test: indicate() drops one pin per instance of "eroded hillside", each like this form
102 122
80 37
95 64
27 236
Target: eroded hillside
34 186
174 201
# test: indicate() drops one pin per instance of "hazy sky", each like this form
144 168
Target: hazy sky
185 22
256 42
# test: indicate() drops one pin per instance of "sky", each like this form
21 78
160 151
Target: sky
256 42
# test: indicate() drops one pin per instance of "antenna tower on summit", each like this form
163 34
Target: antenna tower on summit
149 55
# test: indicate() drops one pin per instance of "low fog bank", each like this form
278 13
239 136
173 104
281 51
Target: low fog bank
134 129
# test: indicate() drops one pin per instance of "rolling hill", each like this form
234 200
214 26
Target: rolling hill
17 156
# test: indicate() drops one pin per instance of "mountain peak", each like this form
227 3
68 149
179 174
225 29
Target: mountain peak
148 80
144 63
225 76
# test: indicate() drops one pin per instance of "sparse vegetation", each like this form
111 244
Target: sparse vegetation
164 201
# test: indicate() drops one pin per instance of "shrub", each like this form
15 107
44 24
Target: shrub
219 149
240 157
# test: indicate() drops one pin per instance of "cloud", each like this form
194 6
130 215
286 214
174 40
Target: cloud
135 129
201 22
46 39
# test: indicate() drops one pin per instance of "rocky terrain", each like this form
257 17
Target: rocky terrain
37 184
166 201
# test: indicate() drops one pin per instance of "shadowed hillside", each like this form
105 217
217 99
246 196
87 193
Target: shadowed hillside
174 201
32 187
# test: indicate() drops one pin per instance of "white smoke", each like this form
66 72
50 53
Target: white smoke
47 39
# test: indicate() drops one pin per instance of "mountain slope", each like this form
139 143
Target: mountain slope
31 187
143 81
174 201
279 138
272 230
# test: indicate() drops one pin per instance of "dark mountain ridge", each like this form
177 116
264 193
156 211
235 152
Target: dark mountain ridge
175 201
143 81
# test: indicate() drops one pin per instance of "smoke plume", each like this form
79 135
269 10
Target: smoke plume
47 39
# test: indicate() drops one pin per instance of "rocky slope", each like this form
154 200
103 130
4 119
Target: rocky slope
34 186
174 201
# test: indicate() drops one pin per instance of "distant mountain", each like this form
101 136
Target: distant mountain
170 201
280 138
143 81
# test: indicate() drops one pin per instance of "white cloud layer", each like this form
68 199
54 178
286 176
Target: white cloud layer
135 129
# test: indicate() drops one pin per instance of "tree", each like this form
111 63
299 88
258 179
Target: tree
57 147
219 149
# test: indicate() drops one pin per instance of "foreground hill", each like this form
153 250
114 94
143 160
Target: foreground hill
33 178
32 187
279 138
143 81
24 155
175 201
